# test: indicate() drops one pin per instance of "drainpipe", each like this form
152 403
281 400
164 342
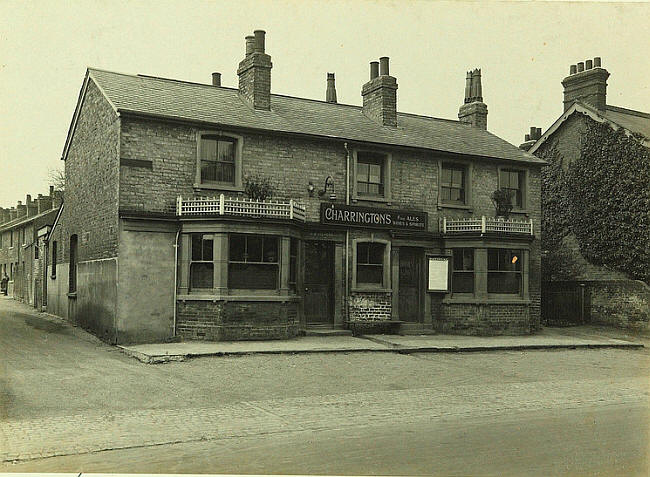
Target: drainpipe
347 232
178 233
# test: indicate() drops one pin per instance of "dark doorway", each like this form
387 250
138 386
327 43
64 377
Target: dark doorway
319 283
410 284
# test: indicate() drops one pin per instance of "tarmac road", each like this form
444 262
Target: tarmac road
71 403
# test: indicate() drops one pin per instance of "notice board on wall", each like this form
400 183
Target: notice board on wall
438 274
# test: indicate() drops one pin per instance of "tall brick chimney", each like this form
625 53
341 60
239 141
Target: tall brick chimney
255 73
330 93
473 111
380 94
587 82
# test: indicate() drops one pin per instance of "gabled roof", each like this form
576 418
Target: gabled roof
633 122
24 219
223 107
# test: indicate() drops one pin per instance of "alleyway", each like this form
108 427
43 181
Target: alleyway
63 393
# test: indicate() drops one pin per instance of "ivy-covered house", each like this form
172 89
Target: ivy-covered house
595 204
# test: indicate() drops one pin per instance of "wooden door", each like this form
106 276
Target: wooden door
319 283
410 284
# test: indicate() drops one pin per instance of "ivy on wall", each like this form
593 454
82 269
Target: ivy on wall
603 198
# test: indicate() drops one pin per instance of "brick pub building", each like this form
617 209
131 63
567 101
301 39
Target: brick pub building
378 217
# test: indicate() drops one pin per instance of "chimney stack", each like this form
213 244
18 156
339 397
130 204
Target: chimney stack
531 139
255 73
330 93
380 94
474 110
216 79
587 85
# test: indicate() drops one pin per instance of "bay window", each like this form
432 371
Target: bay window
504 271
253 262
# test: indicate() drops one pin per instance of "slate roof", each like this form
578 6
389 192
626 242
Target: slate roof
224 107
634 121
630 120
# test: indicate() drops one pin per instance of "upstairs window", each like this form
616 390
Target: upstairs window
253 262
462 278
513 181
453 185
218 156
201 264
504 271
370 263
370 174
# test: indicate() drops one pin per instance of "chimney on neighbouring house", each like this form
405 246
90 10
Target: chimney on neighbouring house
330 94
530 139
380 94
255 73
474 111
587 82
216 79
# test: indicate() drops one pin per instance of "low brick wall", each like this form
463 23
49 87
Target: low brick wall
370 306
482 319
620 303
236 320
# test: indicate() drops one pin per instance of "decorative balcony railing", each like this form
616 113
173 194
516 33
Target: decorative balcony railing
221 205
484 225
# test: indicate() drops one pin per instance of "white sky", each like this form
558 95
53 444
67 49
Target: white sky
523 48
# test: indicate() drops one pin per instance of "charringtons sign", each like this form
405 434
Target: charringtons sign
353 216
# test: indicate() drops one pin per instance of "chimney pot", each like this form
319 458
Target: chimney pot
20 203
539 133
51 190
374 69
533 130
250 45
589 64
216 79
527 137
573 69
383 66
581 67
597 62
29 198
259 41
330 93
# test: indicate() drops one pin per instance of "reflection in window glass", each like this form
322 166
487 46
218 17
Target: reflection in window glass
504 271
370 263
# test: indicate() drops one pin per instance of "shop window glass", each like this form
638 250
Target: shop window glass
253 262
513 181
201 264
452 184
370 263
504 271
462 279
293 263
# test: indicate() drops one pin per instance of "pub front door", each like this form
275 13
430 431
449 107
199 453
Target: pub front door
319 283
410 284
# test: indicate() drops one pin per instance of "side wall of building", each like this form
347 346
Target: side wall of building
90 214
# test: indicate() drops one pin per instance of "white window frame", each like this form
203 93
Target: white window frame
524 184
469 169
385 285
239 142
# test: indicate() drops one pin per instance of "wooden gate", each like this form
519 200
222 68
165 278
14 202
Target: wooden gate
563 304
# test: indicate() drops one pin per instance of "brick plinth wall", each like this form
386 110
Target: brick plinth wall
370 306
621 303
236 320
483 319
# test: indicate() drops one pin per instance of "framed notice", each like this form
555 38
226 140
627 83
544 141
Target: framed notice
438 274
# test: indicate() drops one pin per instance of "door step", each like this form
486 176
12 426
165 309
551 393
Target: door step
415 329
316 331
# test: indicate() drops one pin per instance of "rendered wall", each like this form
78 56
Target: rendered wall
146 287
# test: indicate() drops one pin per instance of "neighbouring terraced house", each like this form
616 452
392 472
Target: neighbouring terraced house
378 218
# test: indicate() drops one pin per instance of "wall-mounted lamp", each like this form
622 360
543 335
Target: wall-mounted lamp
310 188
328 187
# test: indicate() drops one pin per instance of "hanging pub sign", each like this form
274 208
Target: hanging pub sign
353 216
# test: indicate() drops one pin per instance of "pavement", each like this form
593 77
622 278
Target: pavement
547 339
